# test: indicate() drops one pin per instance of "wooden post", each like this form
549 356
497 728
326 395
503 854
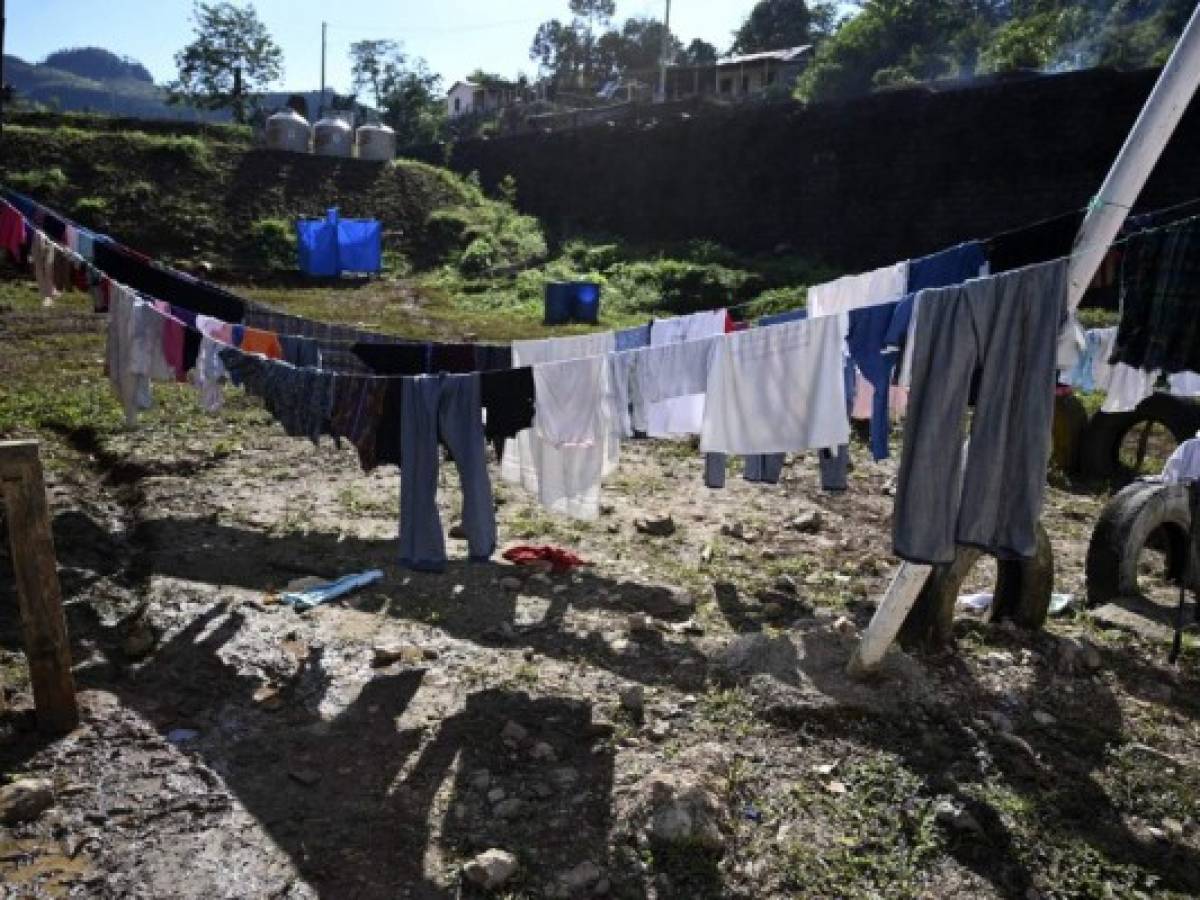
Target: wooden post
46 645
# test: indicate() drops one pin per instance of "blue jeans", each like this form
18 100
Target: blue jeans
445 407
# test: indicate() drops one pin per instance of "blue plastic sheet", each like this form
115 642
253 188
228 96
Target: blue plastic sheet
317 243
327 247
360 245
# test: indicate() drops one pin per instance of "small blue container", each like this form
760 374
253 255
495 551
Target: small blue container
559 302
586 305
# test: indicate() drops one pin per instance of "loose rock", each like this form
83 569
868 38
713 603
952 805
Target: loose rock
25 799
752 654
808 522
633 699
491 869
954 818
682 809
510 808
386 654
663 526
581 877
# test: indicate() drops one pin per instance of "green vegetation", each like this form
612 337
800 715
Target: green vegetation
190 198
270 244
895 42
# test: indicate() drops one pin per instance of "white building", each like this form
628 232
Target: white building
467 97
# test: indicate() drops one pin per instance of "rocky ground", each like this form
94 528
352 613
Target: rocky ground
671 721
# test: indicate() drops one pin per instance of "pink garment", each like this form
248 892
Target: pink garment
864 396
172 340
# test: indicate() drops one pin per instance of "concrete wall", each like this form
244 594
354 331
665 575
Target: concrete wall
855 184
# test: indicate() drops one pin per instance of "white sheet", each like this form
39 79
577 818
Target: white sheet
777 389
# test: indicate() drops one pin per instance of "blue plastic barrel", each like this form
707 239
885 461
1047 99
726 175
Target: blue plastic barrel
586 305
558 302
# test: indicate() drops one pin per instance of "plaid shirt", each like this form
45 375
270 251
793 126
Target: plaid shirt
1160 301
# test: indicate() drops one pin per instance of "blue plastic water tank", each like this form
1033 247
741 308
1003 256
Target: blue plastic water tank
559 302
586 302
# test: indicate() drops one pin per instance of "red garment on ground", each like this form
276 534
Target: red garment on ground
560 560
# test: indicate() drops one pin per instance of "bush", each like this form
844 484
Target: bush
184 149
90 211
593 256
270 244
479 257
446 234
680 286
39 181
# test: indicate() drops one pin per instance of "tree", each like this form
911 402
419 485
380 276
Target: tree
558 52
891 42
369 63
569 52
780 24
412 101
231 59
637 47
594 13
700 53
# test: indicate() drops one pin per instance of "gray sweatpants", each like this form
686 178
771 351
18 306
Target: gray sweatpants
762 467
446 407
1003 331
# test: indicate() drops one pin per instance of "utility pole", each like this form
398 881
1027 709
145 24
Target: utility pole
663 52
321 104
3 22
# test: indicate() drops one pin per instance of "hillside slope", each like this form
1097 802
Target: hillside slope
198 198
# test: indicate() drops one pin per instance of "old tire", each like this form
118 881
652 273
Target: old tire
1070 420
1022 594
1143 513
1100 448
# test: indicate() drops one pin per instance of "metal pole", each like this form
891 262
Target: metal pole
321 102
1164 108
3 22
663 52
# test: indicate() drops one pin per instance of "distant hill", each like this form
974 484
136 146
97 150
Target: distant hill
91 79
98 63
126 89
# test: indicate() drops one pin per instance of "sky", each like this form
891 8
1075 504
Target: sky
454 36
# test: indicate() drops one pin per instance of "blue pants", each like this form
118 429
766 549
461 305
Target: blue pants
445 407
763 467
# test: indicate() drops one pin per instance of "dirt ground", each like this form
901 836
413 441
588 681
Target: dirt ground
232 747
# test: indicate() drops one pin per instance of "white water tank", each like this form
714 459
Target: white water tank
376 142
288 130
333 137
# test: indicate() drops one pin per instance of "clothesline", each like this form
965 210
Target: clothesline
269 312
770 389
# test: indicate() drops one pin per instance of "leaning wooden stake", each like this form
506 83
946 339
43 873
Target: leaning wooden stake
1159 117
38 592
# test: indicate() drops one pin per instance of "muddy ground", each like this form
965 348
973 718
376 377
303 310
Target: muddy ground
232 747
